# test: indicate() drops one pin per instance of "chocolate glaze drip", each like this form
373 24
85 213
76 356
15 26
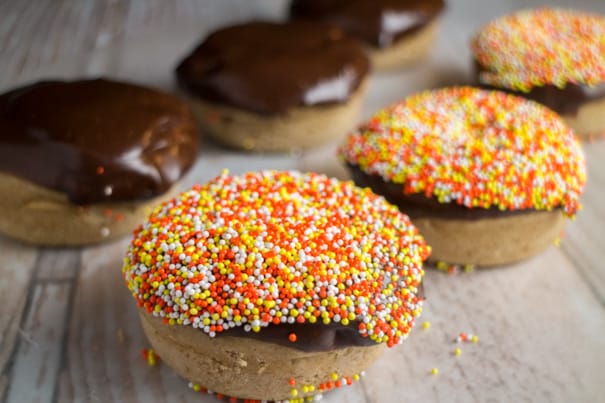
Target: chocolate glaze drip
378 23
268 68
311 337
565 101
417 205
96 140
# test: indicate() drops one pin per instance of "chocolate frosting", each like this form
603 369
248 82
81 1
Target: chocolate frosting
96 140
311 337
376 22
269 68
565 101
418 205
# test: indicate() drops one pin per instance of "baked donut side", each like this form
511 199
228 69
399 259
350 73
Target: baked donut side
406 51
40 216
251 368
461 235
297 128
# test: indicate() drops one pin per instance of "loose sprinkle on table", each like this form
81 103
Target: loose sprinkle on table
543 46
473 147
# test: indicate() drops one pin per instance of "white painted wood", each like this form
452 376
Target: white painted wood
16 270
540 338
38 357
540 323
58 264
584 240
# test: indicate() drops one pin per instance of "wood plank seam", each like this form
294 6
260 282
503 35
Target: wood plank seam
7 372
594 290
65 336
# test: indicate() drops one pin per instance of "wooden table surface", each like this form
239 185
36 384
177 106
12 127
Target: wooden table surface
69 329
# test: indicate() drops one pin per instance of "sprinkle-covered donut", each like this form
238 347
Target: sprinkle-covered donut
542 47
242 255
471 152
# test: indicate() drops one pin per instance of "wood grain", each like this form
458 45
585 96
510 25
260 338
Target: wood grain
17 271
38 357
584 240
69 330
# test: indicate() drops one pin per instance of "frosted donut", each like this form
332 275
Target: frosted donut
487 177
275 285
553 56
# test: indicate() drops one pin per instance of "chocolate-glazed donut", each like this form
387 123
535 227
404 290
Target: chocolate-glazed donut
395 32
275 86
72 149
96 140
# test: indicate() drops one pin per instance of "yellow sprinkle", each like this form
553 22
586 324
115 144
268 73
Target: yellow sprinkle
475 339
457 352
426 324
434 371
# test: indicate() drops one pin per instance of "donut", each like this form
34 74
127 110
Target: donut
275 285
84 161
552 56
394 33
265 86
487 177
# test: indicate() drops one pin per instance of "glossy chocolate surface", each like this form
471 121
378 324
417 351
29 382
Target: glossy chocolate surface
417 205
564 101
96 140
269 68
378 23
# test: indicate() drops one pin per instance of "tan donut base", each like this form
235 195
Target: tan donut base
405 51
248 368
490 241
589 121
37 215
300 127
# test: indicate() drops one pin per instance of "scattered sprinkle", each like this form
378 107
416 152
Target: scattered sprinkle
466 337
121 337
454 269
274 247
457 351
100 170
543 46
150 356
426 324
475 148
434 371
